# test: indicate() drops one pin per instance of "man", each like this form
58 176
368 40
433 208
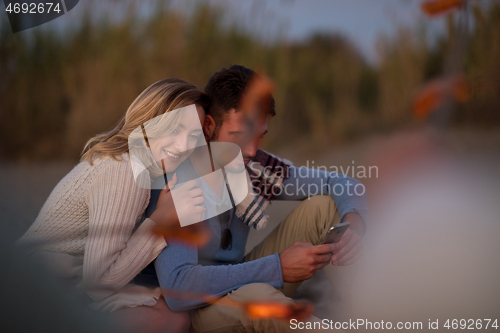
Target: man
289 255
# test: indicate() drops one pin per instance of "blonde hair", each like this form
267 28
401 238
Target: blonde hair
157 99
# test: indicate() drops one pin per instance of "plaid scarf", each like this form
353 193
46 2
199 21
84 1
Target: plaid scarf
267 173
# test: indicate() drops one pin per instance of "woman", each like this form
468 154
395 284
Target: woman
92 225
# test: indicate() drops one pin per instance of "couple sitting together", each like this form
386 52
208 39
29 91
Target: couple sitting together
96 227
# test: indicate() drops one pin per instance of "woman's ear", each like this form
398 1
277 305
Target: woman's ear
209 126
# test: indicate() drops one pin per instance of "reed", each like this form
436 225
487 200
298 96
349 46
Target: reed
57 90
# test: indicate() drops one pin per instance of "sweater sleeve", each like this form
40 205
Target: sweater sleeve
178 270
115 252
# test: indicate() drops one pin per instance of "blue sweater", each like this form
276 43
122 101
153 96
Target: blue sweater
212 270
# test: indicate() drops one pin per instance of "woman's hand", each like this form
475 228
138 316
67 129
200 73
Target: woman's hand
181 204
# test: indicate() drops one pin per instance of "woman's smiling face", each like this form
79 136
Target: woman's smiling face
175 147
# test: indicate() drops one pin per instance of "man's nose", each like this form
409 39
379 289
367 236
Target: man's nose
250 149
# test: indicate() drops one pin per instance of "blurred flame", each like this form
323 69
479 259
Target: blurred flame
436 92
255 310
274 310
436 7
255 104
194 234
258 92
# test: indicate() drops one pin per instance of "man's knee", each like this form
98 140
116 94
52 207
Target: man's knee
316 215
259 292
318 207
319 202
221 318
257 289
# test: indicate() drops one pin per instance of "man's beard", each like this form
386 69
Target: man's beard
215 134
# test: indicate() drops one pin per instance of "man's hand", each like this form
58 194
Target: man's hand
301 260
349 248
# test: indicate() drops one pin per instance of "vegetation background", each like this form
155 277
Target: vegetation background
58 89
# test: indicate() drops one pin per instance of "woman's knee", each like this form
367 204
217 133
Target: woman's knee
182 322
171 321
151 319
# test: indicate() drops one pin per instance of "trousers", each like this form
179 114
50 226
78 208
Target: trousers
308 222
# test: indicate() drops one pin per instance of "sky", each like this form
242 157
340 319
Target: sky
362 21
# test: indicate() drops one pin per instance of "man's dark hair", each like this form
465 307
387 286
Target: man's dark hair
226 88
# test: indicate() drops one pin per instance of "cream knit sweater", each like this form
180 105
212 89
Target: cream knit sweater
92 228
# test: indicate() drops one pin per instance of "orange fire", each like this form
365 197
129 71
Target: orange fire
436 7
255 310
258 91
195 234
438 91
274 310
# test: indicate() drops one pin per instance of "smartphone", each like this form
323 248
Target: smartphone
335 233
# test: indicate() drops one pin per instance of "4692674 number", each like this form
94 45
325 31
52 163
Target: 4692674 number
470 324
33 8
